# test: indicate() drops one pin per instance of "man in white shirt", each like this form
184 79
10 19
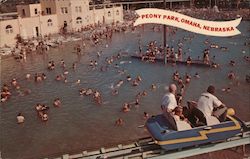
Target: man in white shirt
20 118
208 102
169 102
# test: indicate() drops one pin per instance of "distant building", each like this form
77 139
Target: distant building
51 16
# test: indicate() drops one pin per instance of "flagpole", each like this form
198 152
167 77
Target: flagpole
164 37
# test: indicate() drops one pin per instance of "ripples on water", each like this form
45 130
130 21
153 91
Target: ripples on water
81 124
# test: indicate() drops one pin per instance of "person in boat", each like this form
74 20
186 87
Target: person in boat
57 102
210 105
169 102
178 114
189 60
20 118
126 107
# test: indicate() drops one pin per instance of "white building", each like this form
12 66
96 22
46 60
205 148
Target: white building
50 16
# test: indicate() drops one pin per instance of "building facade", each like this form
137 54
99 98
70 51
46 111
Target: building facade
50 16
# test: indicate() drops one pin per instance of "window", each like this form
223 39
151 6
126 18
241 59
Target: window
117 12
35 11
109 13
9 29
76 9
78 20
48 10
64 10
23 12
80 9
49 22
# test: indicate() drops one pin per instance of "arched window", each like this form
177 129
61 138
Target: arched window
49 22
109 13
78 20
9 29
117 12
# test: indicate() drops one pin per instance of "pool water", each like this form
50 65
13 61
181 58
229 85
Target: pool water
80 124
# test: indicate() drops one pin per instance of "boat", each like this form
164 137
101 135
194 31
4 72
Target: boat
161 59
170 134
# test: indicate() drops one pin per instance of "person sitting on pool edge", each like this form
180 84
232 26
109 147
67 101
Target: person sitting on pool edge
210 105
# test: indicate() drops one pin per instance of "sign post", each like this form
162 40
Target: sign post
164 36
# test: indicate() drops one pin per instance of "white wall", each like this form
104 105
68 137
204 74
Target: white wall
8 38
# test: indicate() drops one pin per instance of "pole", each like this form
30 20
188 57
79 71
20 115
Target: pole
164 37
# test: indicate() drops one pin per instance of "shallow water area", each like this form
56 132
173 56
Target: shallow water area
80 124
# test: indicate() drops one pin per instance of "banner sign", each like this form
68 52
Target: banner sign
166 17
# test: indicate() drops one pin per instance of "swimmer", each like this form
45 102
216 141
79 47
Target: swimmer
78 81
89 91
232 63
45 117
119 83
135 83
65 80
126 107
28 76
144 93
14 82
39 107
197 75
119 122
57 102
139 78
129 78
58 78
145 115
20 118
228 89
91 63
231 75
74 65
115 92
66 72
82 91
137 104
43 76
153 86
188 79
